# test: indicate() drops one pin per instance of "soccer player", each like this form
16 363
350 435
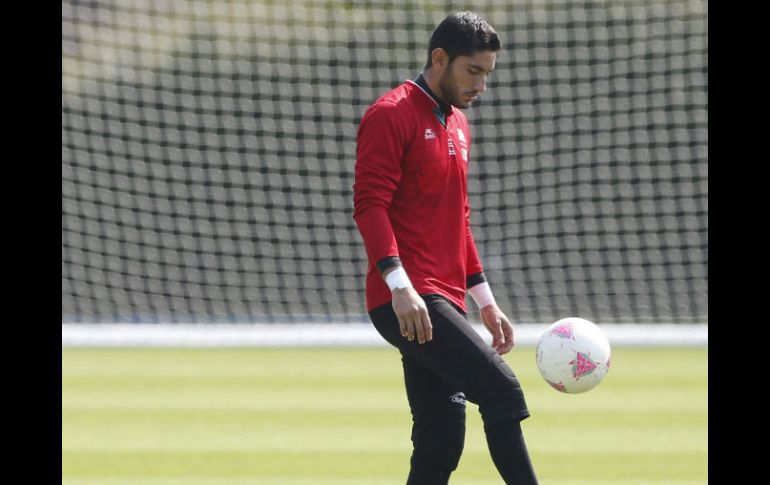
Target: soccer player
411 208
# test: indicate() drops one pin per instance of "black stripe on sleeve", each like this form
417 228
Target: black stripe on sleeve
475 279
388 262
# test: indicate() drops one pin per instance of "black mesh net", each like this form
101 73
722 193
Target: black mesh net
208 152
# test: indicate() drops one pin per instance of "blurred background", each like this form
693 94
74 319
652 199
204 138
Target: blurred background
208 152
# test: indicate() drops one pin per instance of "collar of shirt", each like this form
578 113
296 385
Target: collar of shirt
445 107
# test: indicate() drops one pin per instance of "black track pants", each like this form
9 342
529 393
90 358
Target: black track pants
439 375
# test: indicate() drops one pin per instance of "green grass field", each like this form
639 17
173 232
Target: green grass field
340 417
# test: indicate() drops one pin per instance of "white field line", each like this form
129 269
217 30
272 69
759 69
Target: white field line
264 480
344 335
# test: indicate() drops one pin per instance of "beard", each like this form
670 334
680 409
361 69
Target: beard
451 92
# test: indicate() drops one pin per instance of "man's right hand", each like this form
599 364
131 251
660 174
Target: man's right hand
413 318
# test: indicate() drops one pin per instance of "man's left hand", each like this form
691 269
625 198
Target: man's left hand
500 328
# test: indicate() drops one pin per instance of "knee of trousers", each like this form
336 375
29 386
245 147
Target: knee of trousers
438 447
437 457
502 401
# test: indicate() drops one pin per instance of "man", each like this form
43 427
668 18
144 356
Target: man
411 207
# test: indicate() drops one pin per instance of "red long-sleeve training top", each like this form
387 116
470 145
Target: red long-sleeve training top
410 194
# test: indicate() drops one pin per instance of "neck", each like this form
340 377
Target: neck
431 79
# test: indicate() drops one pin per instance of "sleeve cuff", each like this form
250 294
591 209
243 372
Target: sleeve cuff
388 262
475 279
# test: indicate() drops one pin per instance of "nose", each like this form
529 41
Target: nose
480 85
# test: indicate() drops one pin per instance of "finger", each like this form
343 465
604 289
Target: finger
427 325
402 326
508 329
497 334
419 328
495 340
409 328
509 342
501 328
505 348
501 346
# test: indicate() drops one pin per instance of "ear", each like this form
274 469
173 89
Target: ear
439 57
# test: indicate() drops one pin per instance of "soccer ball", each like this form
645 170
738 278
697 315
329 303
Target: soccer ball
573 355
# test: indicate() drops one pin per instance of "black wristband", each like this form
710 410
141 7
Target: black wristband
475 279
388 262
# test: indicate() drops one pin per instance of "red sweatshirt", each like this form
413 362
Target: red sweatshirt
410 195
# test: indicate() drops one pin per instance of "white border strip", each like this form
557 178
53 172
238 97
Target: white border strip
342 335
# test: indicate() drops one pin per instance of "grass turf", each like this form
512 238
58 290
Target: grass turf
329 416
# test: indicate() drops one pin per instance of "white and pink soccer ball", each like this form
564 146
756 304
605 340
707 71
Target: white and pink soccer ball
573 355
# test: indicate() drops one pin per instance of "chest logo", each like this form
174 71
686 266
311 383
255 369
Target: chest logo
429 135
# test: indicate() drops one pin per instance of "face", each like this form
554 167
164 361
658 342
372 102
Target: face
466 78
